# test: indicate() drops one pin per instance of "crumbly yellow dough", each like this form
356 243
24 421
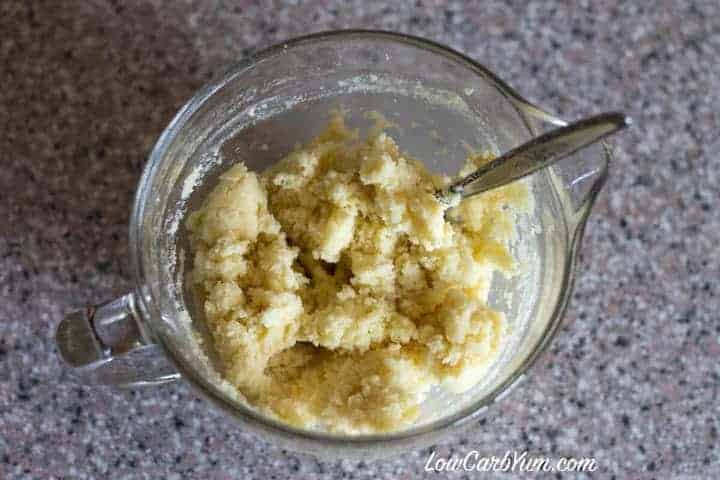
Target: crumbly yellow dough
336 293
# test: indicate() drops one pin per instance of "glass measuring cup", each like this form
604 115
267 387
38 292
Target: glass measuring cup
256 113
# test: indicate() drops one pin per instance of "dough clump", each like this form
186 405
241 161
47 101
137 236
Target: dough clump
335 292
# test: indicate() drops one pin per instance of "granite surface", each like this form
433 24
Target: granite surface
633 378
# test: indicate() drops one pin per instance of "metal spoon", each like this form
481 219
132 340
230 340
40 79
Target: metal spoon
530 157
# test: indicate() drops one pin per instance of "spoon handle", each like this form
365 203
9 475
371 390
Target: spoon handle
539 153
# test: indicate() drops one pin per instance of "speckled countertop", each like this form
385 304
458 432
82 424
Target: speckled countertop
633 378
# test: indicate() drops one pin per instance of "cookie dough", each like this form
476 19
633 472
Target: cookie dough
335 292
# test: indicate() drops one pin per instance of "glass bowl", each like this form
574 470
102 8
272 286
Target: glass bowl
256 113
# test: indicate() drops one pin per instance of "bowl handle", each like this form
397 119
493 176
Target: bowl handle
103 345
